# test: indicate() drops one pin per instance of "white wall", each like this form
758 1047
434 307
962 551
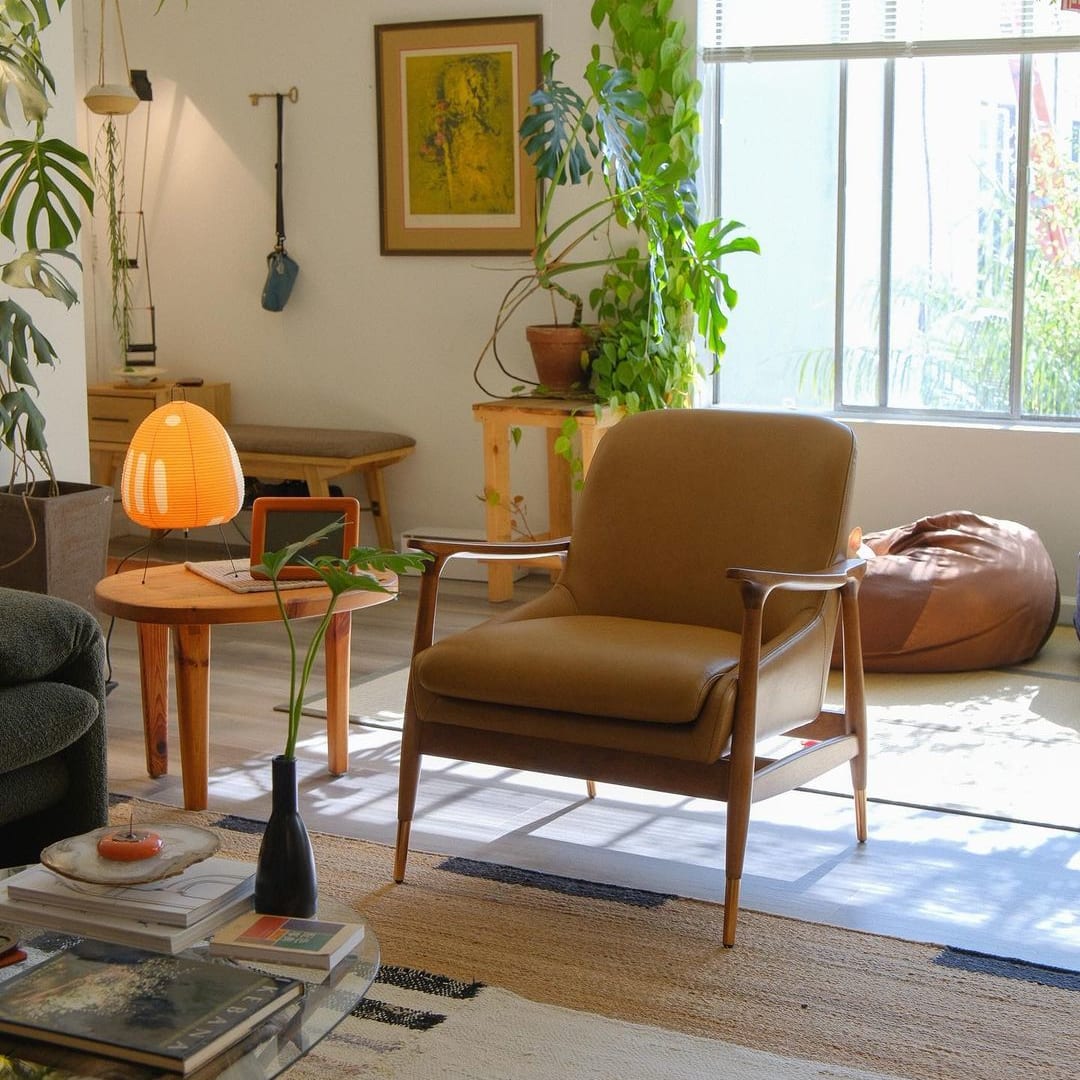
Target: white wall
366 341
389 342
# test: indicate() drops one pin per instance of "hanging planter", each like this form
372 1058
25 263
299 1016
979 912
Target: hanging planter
114 100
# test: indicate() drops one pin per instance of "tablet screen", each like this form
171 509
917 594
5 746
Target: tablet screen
278 522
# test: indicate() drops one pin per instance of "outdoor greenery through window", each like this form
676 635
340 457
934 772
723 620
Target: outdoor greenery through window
911 169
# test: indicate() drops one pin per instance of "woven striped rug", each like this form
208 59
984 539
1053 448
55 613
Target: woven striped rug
493 972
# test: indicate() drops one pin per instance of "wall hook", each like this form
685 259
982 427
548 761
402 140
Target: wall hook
293 95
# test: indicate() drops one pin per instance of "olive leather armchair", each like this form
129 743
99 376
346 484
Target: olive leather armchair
694 618
52 723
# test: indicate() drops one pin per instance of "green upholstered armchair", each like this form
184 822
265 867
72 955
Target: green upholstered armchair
694 620
52 723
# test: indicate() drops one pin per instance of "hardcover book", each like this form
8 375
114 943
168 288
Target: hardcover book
285 940
170 1012
119 929
181 900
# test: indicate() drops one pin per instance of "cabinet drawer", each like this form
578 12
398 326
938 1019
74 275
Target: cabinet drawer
114 418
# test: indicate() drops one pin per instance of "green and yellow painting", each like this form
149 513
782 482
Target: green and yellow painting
461 133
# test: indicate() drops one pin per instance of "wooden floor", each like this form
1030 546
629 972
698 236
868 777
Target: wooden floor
944 877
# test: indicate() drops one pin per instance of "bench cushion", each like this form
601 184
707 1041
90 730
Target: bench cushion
314 442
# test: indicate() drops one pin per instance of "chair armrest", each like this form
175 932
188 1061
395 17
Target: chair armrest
833 577
443 549
489 549
844 575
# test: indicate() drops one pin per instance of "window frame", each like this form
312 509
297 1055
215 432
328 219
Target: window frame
1025 48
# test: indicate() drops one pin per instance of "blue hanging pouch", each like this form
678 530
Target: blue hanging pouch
281 274
281 270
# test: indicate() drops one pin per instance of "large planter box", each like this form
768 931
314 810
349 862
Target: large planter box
68 556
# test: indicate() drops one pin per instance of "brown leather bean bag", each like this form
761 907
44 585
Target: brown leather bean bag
955 592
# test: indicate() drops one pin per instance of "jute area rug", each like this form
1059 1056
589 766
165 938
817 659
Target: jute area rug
826 1003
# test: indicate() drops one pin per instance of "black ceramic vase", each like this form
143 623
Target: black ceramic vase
285 874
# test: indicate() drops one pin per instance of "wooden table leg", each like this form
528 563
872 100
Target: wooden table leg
154 685
497 515
591 435
560 492
338 643
317 484
191 658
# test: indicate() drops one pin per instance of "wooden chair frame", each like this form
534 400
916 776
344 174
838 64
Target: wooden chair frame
739 778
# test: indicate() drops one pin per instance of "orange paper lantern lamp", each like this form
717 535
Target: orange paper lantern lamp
181 470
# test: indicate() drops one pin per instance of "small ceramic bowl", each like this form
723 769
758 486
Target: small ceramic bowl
139 376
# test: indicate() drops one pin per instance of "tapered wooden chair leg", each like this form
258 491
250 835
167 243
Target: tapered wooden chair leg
590 788
401 852
731 911
860 816
408 782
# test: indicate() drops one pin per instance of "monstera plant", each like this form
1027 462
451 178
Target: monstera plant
45 183
637 250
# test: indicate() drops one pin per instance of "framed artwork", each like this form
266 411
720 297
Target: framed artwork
453 179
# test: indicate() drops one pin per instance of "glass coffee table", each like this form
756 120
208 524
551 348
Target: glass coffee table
264 1053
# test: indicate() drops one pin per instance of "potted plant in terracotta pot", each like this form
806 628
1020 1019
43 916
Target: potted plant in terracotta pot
53 534
651 267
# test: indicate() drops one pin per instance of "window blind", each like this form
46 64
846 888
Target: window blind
748 30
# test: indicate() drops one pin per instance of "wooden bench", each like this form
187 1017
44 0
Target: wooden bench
318 455
314 455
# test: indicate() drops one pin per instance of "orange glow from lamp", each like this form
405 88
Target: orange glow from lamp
181 470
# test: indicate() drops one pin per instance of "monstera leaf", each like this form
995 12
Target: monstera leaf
20 419
32 270
47 176
21 65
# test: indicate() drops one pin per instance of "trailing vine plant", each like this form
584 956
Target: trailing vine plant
632 132
648 357
110 183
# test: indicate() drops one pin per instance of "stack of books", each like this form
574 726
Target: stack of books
170 1012
165 916
284 939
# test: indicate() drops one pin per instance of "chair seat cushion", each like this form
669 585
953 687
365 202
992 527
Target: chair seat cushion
629 669
955 592
39 719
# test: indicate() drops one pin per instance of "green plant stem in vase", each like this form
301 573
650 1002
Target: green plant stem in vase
285 876
340 575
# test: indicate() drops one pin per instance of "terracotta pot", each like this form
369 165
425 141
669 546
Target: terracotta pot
561 355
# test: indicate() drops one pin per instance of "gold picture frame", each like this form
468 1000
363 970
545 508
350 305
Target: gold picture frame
453 178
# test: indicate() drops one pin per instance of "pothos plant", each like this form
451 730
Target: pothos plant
44 183
632 133
341 575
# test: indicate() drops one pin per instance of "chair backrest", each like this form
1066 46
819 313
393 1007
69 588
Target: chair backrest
676 497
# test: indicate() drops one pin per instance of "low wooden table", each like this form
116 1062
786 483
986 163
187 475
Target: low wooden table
498 417
163 598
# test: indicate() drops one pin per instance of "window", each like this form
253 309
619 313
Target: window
910 170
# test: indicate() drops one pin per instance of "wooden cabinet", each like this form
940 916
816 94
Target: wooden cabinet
115 412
